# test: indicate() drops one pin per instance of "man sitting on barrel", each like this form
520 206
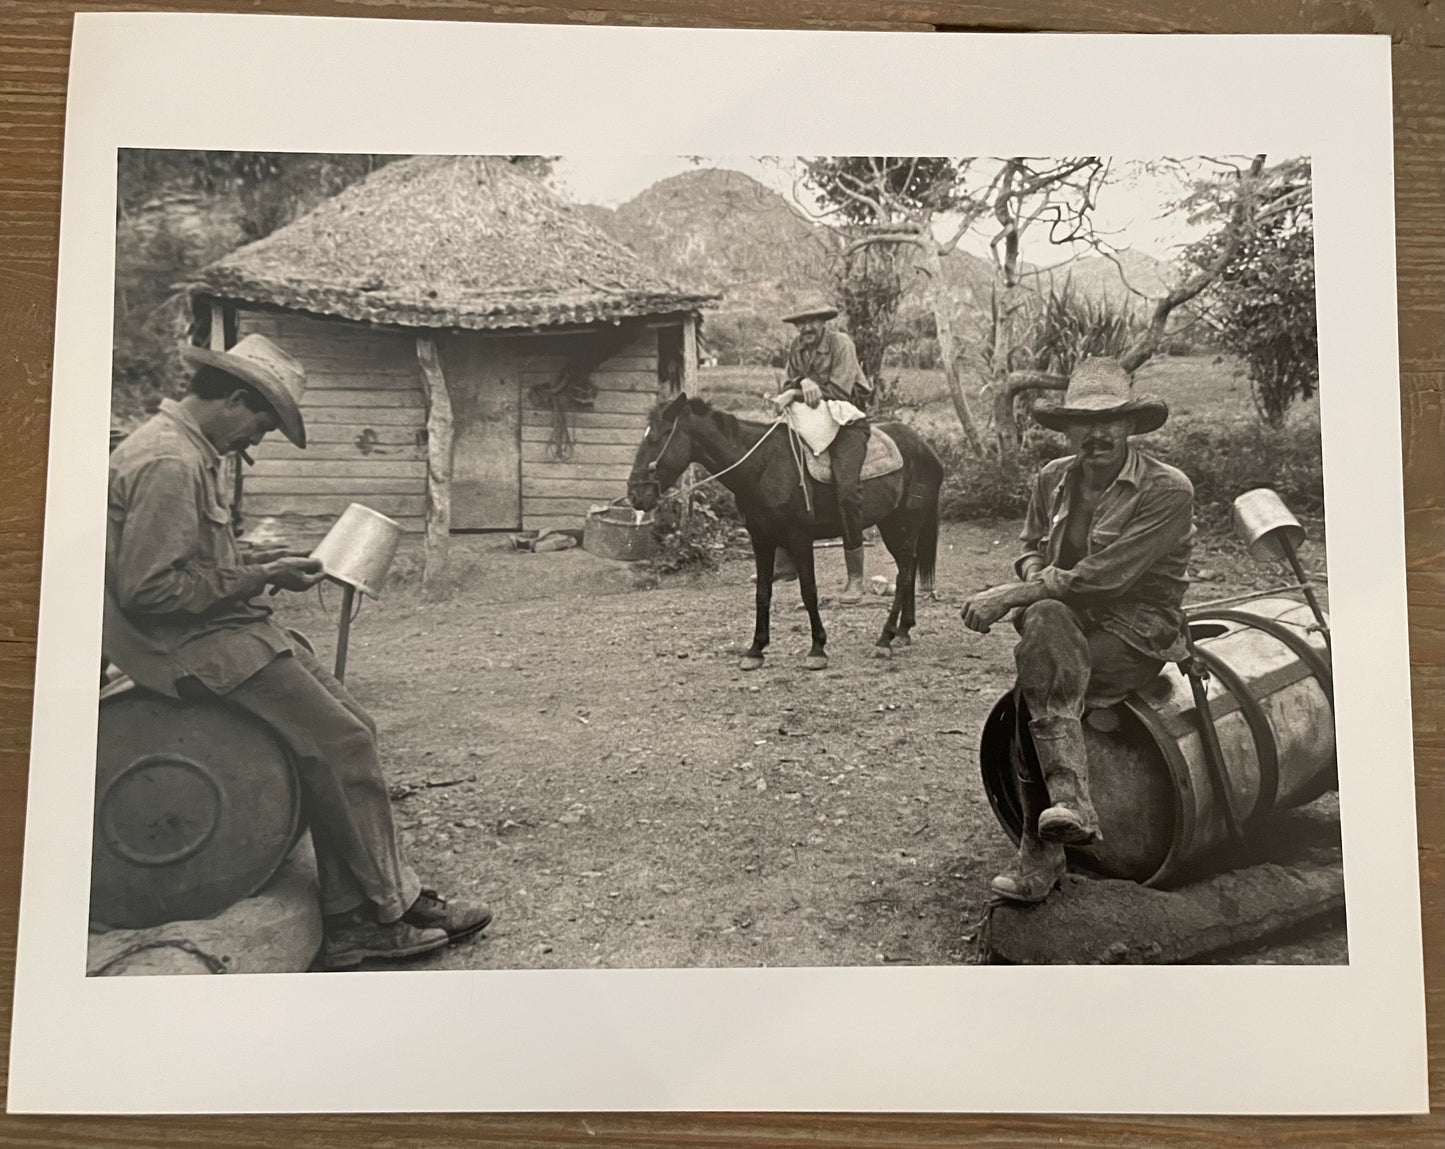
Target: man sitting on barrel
1102 578
181 620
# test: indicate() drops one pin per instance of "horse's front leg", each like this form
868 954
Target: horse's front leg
801 549
763 552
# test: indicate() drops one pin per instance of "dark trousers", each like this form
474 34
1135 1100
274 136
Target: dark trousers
847 453
1062 663
344 793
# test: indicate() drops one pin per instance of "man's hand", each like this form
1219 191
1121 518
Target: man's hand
295 573
262 555
812 393
987 607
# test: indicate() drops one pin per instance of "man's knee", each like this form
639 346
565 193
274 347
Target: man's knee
1046 617
1050 638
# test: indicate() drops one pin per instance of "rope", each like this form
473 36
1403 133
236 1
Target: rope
731 466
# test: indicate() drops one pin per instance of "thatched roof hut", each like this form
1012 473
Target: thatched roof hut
468 242
479 355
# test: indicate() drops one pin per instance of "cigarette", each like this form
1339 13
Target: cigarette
245 458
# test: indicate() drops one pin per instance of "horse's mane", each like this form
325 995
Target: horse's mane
725 421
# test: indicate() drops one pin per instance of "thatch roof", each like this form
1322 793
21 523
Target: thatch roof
447 241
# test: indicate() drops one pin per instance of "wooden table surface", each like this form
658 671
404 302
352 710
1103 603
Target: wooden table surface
34 46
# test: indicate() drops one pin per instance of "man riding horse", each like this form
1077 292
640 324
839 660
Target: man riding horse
823 368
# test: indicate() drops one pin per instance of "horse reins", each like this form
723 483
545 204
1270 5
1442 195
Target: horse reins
652 466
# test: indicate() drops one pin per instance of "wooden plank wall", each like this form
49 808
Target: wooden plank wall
559 493
365 423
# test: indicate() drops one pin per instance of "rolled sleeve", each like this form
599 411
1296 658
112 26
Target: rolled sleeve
1035 533
1163 520
160 564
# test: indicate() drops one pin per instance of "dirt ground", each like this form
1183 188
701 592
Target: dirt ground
574 744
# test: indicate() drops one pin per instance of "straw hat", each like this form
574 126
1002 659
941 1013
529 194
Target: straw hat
279 377
815 307
1101 389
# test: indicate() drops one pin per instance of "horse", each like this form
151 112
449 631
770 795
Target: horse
758 464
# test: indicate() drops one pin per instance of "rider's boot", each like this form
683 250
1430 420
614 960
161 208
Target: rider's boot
853 588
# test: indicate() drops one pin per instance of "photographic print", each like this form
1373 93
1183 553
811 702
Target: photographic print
546 419
736 599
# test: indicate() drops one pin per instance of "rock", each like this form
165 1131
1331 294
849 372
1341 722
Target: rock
276 931
1109 921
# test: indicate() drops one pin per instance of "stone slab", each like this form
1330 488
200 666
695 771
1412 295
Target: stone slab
1111 922
277 931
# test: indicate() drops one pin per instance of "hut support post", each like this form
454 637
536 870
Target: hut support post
689 388
689 355
438 465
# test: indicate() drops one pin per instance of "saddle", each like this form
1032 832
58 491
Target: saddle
883 458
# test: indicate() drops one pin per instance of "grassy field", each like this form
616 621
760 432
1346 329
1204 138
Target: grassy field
1204 385
1213 433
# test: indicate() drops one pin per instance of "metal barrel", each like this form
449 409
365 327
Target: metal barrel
196 806
1271 693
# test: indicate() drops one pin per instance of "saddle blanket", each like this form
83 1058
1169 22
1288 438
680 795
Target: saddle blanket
883 458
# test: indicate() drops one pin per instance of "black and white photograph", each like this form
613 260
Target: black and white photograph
628 561
584 543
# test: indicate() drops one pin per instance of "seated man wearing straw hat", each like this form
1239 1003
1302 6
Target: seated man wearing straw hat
181 621
823 368
1101 582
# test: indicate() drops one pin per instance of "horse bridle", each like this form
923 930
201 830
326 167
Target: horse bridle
652 465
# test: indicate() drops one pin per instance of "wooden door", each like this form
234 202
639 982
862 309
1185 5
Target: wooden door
484 380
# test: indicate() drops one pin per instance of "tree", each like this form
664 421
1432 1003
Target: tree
1262 302
928 205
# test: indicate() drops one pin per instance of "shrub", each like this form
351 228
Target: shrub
696 542
1223 457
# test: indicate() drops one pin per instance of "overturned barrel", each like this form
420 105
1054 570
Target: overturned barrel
196 807
1271 695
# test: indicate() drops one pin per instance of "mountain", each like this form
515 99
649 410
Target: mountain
724 231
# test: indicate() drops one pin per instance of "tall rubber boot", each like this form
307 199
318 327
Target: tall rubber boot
1039 866
853 589
783 568
1071 819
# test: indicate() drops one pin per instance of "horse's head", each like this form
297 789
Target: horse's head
663 455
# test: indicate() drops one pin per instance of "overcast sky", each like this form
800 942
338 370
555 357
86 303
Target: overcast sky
1132 206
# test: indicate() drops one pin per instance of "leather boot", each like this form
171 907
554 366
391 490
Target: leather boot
1039 866
1071 819
853 589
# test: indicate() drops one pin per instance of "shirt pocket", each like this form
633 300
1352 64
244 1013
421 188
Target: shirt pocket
1101 537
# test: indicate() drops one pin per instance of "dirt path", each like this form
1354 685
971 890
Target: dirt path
593 764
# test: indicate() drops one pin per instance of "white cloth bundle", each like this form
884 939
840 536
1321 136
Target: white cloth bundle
818 426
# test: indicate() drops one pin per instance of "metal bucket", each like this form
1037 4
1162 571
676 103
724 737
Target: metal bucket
1262 522
196 806
1272 696
618 532
359 548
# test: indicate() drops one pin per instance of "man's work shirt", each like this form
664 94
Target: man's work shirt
1133 575
177 592
831 363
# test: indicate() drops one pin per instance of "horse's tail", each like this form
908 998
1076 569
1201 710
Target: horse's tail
927 549
926 475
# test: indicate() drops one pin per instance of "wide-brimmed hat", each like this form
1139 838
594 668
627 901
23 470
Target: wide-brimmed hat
279 377
1101 389
815 307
